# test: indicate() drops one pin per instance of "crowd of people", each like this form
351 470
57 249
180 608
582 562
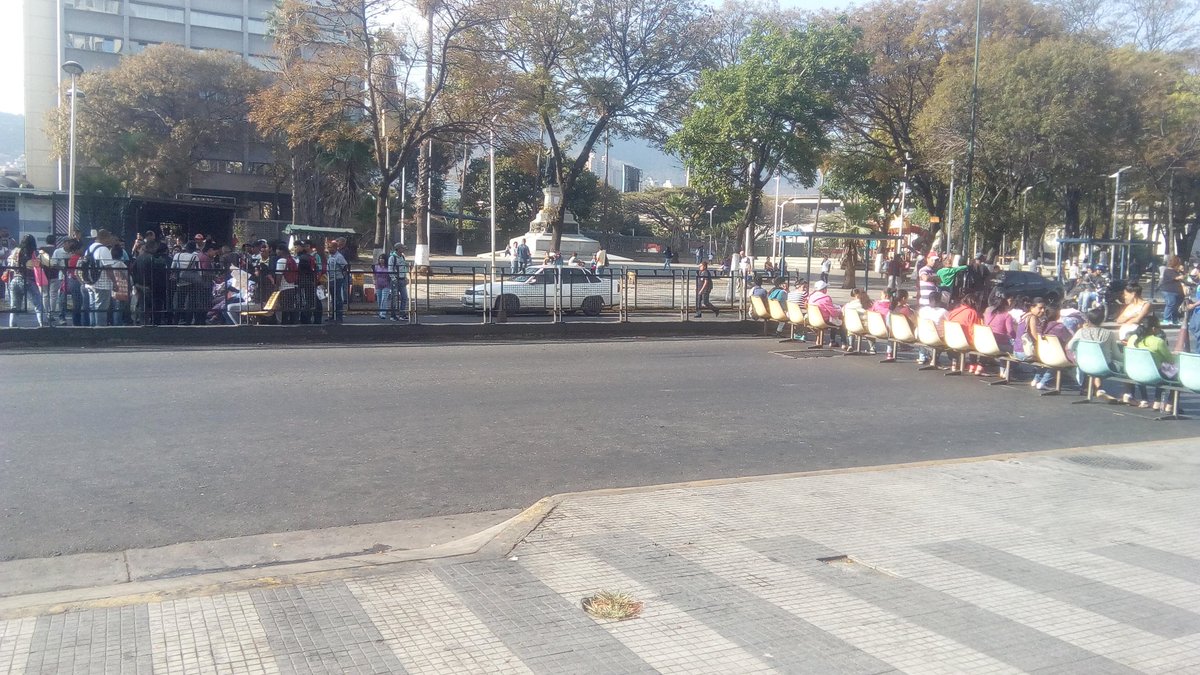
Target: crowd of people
1017 322
196 281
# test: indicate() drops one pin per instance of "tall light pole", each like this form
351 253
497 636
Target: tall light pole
73 69
904 195
1112 234
492 200
1024 223
950 216
971 138
776 220
710 231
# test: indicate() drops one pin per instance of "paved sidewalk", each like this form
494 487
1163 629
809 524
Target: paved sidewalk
1069 562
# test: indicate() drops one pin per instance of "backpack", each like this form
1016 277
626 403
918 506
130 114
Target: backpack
291 272
89 267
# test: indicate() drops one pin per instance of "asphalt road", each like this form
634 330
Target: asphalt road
117 449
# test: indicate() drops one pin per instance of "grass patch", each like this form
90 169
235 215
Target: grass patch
612 605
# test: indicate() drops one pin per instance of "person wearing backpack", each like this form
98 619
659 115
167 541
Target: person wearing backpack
97 278
188 303
287 274
306 283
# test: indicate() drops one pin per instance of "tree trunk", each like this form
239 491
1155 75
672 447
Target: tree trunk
381 209
753 203
1071 201
850 264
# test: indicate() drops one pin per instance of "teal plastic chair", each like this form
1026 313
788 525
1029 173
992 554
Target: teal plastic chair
1189 371
1089 357
1140 367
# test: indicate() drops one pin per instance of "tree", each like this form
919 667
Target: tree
391 88
908 41
602 65
676 214
151 119
1052 112
771 112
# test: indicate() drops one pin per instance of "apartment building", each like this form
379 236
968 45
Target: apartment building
97 33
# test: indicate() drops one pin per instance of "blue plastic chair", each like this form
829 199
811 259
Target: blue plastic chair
1089 357
1141 368
1189 371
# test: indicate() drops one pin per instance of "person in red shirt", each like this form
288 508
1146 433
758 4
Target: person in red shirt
966 314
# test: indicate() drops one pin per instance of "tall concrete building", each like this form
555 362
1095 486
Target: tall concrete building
97 33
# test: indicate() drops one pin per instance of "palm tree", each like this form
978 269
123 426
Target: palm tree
855 218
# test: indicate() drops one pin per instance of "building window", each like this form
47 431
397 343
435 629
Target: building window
94 43
105 6
137 46
210 20
155 12
8 203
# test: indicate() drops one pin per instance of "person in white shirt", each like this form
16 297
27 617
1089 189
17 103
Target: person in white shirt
100 289
936 313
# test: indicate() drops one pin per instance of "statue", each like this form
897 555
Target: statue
550 175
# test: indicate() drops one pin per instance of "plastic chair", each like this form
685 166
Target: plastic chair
1089 358
760 311
957 342
1050 353
816 321
1141 368
795 315
902 332
877 327
927 334
1189 371
778 314
855 330
984 341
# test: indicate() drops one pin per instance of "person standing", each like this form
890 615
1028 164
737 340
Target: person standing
826 267
601 260
704 286
667 256
98 279
398 269
287 275
524 255
383 288
339 275
1171 285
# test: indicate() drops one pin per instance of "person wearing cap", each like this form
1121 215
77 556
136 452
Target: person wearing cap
824 303
398 270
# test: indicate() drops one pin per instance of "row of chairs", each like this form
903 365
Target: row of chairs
1139 365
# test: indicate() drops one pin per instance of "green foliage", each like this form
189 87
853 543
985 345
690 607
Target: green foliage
148 121
771 111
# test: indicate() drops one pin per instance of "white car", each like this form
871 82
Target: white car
538 286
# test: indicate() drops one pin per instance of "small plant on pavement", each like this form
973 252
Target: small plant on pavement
612 605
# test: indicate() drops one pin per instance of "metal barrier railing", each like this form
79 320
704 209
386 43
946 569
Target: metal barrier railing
159 295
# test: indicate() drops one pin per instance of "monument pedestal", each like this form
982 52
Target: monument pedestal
540 240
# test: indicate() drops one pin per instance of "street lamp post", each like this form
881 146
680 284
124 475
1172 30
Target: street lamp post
492 199
950 216
1112 234
1024 224
710 231
73 69
904 195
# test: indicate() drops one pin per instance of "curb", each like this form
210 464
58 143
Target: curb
325 334
491 543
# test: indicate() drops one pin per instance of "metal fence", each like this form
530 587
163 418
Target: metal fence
164 297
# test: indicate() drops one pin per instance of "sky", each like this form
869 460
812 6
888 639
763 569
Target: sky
12 74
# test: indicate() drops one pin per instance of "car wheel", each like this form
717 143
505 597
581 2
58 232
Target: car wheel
509 303
592 305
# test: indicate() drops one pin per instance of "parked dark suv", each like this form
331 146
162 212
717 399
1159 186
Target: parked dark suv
1029 284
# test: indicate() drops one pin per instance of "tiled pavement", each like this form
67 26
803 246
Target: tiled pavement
1046 564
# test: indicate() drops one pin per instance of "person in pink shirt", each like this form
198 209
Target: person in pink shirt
829 311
